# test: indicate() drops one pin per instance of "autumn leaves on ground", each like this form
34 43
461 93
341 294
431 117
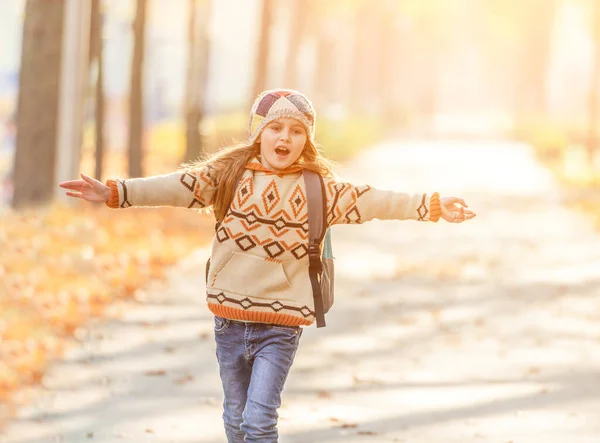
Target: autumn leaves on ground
61 266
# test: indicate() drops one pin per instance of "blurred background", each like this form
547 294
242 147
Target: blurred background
127 88
147 84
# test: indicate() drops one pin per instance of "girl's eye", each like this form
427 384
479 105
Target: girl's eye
275 128
297 132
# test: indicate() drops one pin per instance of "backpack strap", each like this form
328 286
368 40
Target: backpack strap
317 220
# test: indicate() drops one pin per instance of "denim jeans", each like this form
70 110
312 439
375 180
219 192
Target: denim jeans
254 361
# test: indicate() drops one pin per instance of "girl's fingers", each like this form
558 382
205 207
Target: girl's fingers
75 187
90 180
466 216
74 184
454 200
74 194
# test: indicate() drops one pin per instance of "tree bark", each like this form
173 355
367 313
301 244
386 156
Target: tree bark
299 15
593 102
262 59
197 74
136 99
38 103
536 24
97 56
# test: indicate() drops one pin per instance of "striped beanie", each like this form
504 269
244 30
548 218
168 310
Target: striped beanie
277 103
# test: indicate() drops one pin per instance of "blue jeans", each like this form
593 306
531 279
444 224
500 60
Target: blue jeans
254 361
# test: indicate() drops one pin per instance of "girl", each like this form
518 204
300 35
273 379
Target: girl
258 285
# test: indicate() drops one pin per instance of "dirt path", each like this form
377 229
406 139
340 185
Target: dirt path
482 332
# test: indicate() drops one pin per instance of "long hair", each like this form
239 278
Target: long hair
228 165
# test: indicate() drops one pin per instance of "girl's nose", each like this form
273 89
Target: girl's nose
285 135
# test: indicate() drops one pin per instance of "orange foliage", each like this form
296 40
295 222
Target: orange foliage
63 265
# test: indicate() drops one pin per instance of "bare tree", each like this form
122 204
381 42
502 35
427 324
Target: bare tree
298 16
325 49
365 38
593 103
97 58
38 102
262 59
197 74
536 21
136 99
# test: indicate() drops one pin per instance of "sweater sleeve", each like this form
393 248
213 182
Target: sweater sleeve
350 204
188 189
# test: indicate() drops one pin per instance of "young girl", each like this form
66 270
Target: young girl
258 284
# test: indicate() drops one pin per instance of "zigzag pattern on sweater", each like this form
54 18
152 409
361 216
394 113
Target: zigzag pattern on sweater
246 304
197 180
335 191
292 217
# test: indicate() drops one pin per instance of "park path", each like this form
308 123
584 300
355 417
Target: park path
487 331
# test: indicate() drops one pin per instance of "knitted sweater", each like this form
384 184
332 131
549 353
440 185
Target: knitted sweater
259 260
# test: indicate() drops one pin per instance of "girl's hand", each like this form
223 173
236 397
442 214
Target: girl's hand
88 189
453 213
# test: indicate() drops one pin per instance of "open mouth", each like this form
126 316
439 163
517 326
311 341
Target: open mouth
281 151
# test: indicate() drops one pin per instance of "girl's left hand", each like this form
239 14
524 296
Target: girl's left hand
452 212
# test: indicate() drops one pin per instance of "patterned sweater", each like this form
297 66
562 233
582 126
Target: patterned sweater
259 260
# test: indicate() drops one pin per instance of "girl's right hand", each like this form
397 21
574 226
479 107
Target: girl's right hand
88 189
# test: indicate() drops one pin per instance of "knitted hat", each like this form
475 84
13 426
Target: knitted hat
277 103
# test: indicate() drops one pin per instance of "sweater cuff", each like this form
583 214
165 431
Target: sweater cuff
113 201
435 207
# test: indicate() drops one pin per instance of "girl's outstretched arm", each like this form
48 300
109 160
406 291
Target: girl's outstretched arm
190 188
347 203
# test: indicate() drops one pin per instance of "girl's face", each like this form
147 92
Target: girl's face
281 143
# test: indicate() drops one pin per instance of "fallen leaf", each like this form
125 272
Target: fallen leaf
156 373
324 394
185 379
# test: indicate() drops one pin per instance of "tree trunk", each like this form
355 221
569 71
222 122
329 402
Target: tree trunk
197 74
366 27
136 100
388 47
299 15
97 57
73 85
38 103
262 59
532 65
325 66
593 102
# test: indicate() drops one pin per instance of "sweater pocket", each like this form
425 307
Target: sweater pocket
253 276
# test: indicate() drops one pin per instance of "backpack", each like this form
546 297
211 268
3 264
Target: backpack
320 268
320 259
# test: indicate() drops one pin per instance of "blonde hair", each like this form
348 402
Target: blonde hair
228 165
